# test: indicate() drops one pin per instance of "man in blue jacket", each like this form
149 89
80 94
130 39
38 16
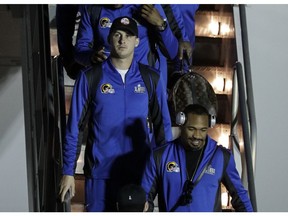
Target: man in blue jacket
183 61
187 173
157 40
188 12
118 140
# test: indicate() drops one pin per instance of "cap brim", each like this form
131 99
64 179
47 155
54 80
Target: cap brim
126 30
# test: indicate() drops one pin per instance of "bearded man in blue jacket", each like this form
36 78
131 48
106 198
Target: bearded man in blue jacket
178 173
187 172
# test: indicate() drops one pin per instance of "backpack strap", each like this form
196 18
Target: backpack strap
226 156
205 168
172 20
94 14
151 78
197 180
93 77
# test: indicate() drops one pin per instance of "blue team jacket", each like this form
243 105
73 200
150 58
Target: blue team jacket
117 126
206 195
87 33
188 12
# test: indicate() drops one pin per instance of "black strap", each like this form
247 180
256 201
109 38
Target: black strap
149 76
197 180
94 12
150 79
93 77
172 20
204 169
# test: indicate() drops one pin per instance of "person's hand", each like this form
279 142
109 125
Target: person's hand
99 56
151 15
67 182
184 46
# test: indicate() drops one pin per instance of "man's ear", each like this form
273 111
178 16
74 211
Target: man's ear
137 42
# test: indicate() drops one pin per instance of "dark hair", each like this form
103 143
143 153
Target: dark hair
196 109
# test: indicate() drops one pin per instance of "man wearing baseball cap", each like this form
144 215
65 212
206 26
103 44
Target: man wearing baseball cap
123 111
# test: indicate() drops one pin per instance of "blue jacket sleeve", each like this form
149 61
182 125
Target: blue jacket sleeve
231 180
162 100
188 12
73 140
168 43
176 21
85 37
149 182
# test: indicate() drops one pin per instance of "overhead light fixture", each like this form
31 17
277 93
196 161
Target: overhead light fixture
219 84
224 29
217 28
214 28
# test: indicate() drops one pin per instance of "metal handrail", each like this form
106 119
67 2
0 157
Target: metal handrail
243 104
246 155
234 138
60 121
249 86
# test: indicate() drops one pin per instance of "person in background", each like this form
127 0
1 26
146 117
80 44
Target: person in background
185 33
183 61
182 23
185 54
66 16
188 12
118 142
187 172
131 198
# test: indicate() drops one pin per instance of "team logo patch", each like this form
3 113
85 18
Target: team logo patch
210 170
139 89
172 167
105 22
107 89
125 21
